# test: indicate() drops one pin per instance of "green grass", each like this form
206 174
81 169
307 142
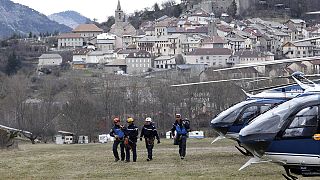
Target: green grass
95 161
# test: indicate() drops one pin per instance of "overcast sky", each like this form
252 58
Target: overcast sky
99 9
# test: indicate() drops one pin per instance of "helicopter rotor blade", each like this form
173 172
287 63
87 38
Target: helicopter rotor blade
218 81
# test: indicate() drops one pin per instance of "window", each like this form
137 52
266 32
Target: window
251 112
304 123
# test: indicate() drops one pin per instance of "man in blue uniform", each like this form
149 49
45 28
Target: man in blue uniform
131 140
181 127
117 132
149 132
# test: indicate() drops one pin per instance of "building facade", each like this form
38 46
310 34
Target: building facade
138 62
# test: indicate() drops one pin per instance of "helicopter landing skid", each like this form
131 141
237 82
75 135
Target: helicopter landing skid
246 152
288 175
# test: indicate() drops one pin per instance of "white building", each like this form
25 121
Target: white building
50 60
298 49
106 41
163 45
165 62
100 57
80 55
138 62
213 57
70 40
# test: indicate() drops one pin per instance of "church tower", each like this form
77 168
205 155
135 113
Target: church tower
212 26
119 15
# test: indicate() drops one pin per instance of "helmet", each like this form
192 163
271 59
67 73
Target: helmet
130 120
178 116
148 119
116 120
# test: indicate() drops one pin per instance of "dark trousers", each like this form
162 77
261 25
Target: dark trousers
115 149
133 147
182 145
149 146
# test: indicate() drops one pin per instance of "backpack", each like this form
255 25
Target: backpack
119 133
181 130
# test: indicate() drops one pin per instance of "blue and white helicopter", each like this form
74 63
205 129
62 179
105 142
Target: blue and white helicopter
288 135
229 122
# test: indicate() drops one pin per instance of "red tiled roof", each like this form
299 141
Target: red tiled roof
210 51
69 35
81 51
87 28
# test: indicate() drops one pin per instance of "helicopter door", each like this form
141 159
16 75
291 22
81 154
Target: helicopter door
297 144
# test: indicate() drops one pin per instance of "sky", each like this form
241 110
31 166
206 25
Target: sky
99 9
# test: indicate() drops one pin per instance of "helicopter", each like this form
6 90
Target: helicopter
229 122
11 133
288 135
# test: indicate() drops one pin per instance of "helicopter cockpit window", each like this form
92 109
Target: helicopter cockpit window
304 123
251 112
247 114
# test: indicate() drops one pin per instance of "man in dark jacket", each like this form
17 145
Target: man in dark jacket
117 132
149 132
131 140
181 127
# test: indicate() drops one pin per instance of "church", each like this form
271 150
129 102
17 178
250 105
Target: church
122 27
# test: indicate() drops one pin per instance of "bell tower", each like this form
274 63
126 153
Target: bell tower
119 15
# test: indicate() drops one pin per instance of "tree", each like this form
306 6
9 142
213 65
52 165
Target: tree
13 64
179 59
30 35
156 7
106 26
232 9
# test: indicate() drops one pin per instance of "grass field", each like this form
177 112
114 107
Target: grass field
95 161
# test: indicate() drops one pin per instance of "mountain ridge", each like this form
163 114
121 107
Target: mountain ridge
69 18
20 19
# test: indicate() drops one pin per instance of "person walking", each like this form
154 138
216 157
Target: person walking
131 136
149 132
180 131
117 132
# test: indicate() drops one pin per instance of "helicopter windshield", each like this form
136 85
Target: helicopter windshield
230 115
272 121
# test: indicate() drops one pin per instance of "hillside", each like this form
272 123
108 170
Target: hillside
69 18
20 19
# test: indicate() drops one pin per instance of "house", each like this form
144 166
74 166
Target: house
251 56
150 31
79 59
138 62
117 66
87 31
165 62
70 41
163 45
235 44
50 60
298 49
188 31
214 42
99 57
191 43
297 23
123 53
213 57
107 41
